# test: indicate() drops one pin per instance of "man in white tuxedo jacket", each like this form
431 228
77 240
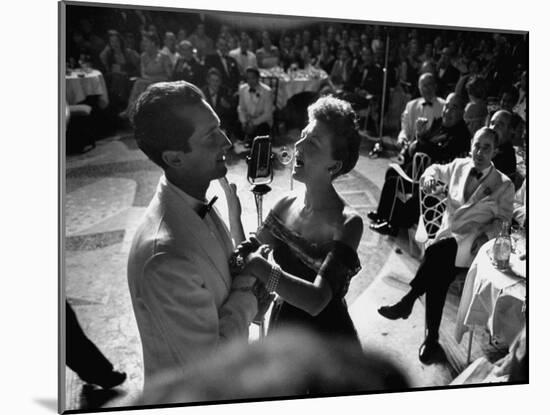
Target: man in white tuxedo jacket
185 301
479 198
255 105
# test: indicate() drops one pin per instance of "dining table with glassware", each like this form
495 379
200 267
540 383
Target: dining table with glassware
294 81
494 296
84 82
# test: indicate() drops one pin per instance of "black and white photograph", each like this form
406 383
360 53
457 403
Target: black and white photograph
263 206
252 207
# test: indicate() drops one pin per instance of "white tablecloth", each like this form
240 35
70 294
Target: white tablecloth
292 84
491 298
78 88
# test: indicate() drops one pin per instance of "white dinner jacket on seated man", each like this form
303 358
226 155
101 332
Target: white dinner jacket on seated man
256 106
466 219
415 109
184 299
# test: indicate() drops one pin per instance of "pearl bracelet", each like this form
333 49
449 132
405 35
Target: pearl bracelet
274 276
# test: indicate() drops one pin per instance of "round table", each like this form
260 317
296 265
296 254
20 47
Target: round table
294 82
80 84
493 298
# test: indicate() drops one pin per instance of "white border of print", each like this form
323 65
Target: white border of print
29 208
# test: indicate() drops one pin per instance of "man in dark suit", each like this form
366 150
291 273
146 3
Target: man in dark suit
187 67
221 101
366 77
225 64
447 74
446 139
505 160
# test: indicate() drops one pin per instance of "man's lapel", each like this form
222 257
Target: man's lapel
485 189
190 225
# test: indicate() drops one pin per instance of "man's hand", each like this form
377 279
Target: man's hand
233 201
421 126
481 239
428 184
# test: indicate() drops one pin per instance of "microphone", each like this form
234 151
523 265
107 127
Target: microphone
260 161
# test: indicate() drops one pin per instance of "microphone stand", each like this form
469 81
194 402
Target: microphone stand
259 191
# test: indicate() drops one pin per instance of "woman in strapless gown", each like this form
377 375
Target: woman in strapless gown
314 236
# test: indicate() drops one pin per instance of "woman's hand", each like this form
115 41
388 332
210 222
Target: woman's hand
256 263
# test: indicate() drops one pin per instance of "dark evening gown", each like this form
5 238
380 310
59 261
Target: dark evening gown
337 262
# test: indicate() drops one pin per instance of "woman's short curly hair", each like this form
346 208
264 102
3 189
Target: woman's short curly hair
341 120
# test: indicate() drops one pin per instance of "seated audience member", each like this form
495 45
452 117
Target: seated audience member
505 159
255 106
268 55
342 69
428 106
447 74
447 139
367 78
325 59
170 47
244 57
202 42
225 64
475 112
290 363
182 35
221 101
285 52
188 68
119 63
479 197
509 95
155 67
474 69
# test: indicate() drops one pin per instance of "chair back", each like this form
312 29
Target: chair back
420 162
432 207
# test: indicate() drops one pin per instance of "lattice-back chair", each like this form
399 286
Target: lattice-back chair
432 206
406 186
273 83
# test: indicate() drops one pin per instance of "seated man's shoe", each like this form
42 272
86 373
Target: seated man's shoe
373 215
384 228
431 352
401 309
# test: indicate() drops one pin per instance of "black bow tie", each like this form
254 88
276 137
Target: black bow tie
252 90
204 208
428 103
476 173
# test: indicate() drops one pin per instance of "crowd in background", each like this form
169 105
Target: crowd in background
134 48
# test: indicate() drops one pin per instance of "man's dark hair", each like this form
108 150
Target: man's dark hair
159 118
510 90
477 87
152 36
213 71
